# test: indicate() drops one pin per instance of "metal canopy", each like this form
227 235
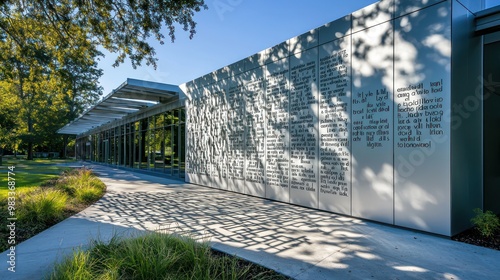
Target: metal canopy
488 21
130 97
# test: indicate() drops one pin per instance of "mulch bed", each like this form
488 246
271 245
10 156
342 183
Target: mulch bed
255 271
474 237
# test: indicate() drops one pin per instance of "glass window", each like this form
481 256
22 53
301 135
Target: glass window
137 149
182 115
175 150
122 151
144 124
111 147
156 143
160 120
182 150
168 118
151 121
175 116
145 135
168 150
159 150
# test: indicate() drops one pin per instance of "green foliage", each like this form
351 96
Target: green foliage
77 267
44 82
42 206
31 174
154 256
48 58
82 185
88 194
42 200
122 27
486 222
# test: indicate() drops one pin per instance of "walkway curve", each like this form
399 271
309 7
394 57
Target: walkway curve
299 242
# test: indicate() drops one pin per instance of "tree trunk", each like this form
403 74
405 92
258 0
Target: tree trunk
65 145
30 138
30 149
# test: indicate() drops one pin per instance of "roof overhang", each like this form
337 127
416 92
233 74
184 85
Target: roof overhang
488 21
130 97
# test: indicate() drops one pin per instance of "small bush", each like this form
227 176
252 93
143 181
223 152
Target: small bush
42 206
486 222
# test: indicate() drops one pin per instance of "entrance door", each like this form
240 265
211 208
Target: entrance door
491 72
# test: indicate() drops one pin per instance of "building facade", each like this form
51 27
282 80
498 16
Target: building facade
386 114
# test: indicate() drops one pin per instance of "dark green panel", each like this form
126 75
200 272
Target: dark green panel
492 127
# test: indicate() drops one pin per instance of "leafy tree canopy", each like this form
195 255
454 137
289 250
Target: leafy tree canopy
49 52
44 82
120 26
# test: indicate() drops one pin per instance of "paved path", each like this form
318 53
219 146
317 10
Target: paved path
299 242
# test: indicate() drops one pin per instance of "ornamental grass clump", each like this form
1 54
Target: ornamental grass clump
155 256
42 206
43 201
82 185
486 222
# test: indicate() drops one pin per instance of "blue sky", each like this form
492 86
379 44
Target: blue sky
229 31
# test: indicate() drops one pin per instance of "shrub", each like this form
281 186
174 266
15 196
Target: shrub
42 206
486 222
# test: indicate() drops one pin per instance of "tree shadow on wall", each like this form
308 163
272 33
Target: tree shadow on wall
257 125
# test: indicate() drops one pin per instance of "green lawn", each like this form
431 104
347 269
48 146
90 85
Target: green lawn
39 202
29 173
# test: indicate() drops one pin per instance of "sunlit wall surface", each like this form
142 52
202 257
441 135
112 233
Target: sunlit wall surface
354 117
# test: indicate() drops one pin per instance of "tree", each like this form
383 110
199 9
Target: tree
47 81
48 53
120 26
7 125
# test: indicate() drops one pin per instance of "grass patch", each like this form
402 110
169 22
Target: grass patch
43 200
156 256
29 173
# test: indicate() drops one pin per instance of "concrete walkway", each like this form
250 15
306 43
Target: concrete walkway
298 242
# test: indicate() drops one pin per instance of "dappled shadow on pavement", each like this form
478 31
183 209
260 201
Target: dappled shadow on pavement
300 242
228 216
